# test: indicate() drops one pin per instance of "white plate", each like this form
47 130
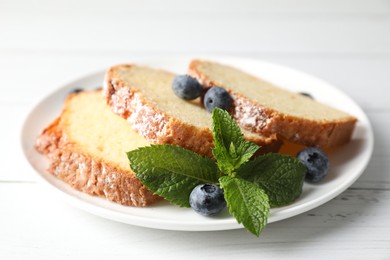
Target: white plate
347 163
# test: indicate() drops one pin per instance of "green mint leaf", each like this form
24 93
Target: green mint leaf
171 171
230 148
247 203
280 176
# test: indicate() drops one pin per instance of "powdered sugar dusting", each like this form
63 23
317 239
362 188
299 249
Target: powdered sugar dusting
248 115
145 120
142 117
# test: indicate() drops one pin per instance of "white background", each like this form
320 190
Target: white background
44 44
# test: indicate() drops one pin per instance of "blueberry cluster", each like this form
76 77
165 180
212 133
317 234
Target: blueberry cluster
187 87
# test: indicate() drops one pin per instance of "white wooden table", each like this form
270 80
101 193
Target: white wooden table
44 44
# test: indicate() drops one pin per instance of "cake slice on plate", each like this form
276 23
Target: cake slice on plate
87 146
263 108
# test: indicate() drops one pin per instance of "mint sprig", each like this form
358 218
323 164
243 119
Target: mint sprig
230 148
251 187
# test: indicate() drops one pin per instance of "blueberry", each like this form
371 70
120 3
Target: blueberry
306 95
76 90
316 162
207 199
186 87
217 97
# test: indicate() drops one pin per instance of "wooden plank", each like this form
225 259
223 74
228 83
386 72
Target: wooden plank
36 225
227 35
354 75
176 28
115 7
